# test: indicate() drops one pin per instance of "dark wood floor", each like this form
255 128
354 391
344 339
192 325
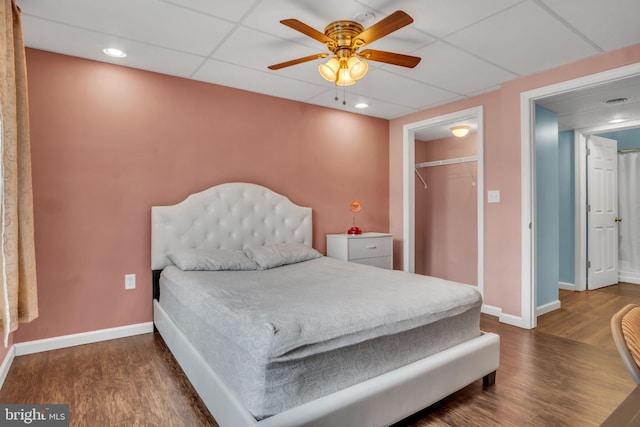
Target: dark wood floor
566 372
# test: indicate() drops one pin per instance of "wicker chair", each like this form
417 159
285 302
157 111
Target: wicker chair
625 327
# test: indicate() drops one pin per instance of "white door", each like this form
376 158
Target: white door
602 212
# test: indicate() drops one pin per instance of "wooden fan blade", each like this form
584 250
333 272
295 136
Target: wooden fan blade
307 30
298 61
391 23
390 58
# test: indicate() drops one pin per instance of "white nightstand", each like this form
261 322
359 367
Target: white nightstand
367 248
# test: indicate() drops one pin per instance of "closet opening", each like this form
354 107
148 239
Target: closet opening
443 197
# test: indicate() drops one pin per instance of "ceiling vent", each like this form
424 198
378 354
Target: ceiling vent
615 101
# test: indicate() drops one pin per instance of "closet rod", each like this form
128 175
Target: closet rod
629 150
447 162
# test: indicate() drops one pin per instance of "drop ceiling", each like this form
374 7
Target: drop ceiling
468 47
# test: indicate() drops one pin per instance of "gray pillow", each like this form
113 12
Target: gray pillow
211 260
271 256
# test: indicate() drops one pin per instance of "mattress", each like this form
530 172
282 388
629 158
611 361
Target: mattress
285 336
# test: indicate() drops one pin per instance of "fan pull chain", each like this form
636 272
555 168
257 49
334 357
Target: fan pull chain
344 95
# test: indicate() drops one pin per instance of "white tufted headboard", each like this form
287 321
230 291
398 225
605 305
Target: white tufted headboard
229 216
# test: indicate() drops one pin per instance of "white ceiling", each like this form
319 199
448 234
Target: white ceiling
587 108
467 47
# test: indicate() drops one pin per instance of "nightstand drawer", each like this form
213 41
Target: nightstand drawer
366 248
370 247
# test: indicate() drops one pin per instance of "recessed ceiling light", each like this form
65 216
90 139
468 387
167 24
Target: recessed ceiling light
616 121
362 105
114 52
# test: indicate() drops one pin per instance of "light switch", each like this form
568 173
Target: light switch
493 196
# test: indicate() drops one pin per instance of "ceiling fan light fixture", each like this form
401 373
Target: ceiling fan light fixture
357 68
460 131
329 70
344 78
343 39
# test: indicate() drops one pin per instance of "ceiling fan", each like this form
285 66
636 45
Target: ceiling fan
344 40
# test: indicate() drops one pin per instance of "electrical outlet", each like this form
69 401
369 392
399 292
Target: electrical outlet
129 281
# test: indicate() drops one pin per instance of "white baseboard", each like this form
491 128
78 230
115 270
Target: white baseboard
55 343
629 277
512 320
547 308
6 364
491 310
509 319
566 286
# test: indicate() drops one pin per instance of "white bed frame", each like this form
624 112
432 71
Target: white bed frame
239 215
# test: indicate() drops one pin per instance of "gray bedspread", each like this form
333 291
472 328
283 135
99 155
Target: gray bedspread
273 336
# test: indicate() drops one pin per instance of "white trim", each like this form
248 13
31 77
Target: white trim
408 196
6 364
512 320
548 308
528 218
408 187
566 286
527 100
502 318
64 341
580 149
491 310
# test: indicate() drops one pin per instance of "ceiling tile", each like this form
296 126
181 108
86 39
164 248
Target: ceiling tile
259 50
256 81
610 24
585 107
524 39
377 108
149 21
396 89
88 44
442 17
267 16
455 70
232 10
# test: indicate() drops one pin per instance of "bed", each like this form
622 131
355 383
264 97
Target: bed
272 333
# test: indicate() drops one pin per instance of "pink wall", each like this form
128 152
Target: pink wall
108 142
446 221
502 141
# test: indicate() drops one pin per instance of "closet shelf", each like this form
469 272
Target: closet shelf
446 162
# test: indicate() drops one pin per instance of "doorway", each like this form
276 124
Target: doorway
528 220
410 131
614 132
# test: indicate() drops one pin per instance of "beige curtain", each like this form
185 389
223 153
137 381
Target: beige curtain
18 289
